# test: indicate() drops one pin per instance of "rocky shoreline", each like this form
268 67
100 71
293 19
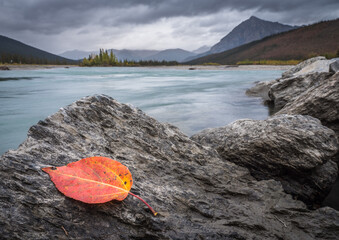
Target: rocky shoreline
310 88
242 181
33 66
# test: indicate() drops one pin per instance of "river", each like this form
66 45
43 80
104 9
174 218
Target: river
190 100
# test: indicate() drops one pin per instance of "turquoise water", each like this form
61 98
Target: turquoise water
191 100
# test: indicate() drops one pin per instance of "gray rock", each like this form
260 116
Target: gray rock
294 149
197 194
321 101
289 73
315 67
294 82
260 89
334 67
287 89
4 68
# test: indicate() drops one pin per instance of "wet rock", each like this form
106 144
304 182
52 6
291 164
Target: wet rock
294 149
334 67
4 68
198 195
287 90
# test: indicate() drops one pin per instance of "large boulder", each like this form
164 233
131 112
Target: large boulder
315 67
293 81
198 195
289 73
285 90
321 101
334 67
4 68
311 65
294 149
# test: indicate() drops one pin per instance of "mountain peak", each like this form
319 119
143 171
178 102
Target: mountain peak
254 18
249 30
301 42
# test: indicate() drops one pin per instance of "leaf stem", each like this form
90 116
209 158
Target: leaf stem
154 212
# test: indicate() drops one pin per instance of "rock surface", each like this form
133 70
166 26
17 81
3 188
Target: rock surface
287 90
261 89
294 149
334 67
197 194
314 94
4 68
290 73
294 82
316 67
321 101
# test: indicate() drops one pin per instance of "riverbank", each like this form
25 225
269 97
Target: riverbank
179 67
229 67
34 66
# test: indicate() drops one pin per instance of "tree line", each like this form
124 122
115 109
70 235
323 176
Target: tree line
10 58
105 58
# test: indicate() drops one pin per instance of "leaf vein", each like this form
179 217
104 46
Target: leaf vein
88 180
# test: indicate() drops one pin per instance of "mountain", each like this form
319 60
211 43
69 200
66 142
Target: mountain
123 54
136 55
17 52
248 31
202 49
171 55
301 43
76 54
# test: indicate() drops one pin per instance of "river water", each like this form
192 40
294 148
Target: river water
191 100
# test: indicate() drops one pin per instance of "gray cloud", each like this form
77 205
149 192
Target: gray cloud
29 18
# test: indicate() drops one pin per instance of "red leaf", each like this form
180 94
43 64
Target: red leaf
93 180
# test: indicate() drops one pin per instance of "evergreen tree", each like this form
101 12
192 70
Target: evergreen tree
109 59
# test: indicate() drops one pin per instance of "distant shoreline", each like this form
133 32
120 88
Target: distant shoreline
228 67
179 67
34 66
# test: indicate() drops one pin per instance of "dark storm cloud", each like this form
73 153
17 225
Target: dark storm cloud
59 25
50 17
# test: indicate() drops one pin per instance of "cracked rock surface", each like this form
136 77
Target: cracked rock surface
198 194
286 90
320 101
294 149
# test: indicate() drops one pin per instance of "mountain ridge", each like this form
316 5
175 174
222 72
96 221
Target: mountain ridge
247 31
296 44
251 29
14 51
175 54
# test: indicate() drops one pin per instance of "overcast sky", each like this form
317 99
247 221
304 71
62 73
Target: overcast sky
60 25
